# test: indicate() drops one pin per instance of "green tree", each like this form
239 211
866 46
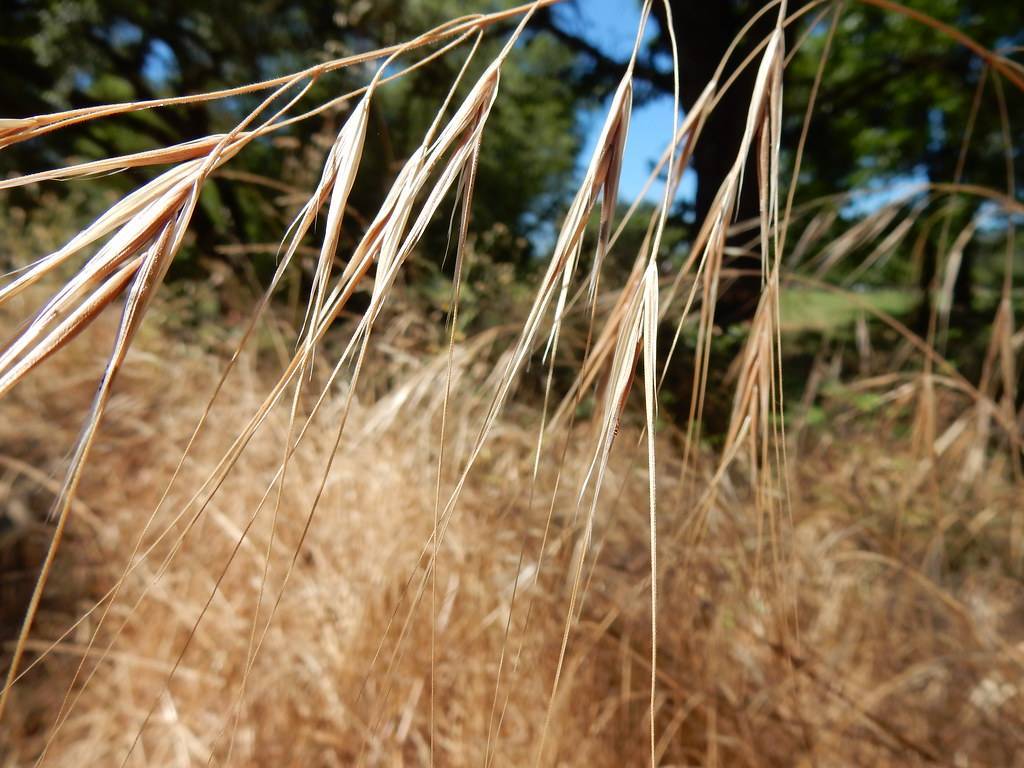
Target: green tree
894 103
65 54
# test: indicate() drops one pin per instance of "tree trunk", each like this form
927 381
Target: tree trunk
704 32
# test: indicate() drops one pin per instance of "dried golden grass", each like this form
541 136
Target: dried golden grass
908 650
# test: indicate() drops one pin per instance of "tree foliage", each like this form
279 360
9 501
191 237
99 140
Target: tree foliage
74 54
894 105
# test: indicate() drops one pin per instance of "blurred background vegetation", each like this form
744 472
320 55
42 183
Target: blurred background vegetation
893 111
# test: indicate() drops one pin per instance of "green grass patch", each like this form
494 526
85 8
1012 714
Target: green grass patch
811 309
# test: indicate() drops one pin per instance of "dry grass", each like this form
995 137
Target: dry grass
893 637
329 547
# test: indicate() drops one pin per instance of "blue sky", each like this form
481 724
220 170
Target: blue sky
611 26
